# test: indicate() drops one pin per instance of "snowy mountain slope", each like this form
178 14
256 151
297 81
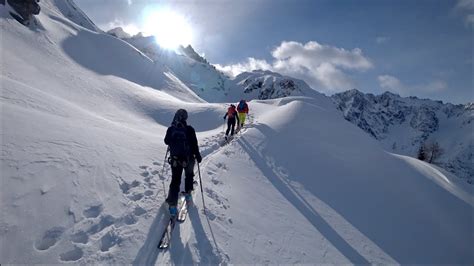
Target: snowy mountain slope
264 84
82 155
403 124
69 9
209 83
287 191
189 67
75 131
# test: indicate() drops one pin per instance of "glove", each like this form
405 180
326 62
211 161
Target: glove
224 117
198 158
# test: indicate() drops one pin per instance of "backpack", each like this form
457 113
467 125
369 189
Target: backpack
231 112
241 106
179 146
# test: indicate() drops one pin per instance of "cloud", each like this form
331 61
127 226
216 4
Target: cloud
382 39
131 29
393 84
470 19
434 86
249 65
466 7
323 67
465 4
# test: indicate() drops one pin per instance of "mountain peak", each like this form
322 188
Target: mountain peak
191 53
119 32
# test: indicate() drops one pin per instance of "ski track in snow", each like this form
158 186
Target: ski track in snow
197 242
96 229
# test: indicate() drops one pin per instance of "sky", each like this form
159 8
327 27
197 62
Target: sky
420 48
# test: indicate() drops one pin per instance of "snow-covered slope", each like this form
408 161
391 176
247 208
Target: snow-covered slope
293 191
189 67
403 124
80 114
82 124
264 84
68 9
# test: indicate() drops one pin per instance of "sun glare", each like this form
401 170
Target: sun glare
169 28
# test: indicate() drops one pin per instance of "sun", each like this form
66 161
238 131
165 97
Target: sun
169 28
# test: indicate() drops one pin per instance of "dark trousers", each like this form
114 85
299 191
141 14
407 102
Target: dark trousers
230 126
176 173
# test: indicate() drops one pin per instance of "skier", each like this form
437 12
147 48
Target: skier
184 151
243 110
231 116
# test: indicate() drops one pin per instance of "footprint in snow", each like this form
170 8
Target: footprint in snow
93 211
215 181
49 238
109 240
72 255
221 166
139 211
228 153
143 167
125 187
104 222
80 237
211 215
136 197
129 219
210 172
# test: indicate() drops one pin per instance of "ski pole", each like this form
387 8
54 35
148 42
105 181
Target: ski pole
163 172
202 193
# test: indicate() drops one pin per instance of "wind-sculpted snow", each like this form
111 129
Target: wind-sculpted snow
68 9
379 208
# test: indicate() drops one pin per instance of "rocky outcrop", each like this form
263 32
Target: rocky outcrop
25 10
402 125
263 85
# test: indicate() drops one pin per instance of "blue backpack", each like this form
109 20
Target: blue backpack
179 146
241 106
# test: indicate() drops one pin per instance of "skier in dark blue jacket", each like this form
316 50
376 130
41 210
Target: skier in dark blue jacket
184 151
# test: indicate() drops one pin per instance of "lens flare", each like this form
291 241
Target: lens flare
169 28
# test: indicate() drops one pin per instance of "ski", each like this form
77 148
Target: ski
226 141
184 212
166 236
